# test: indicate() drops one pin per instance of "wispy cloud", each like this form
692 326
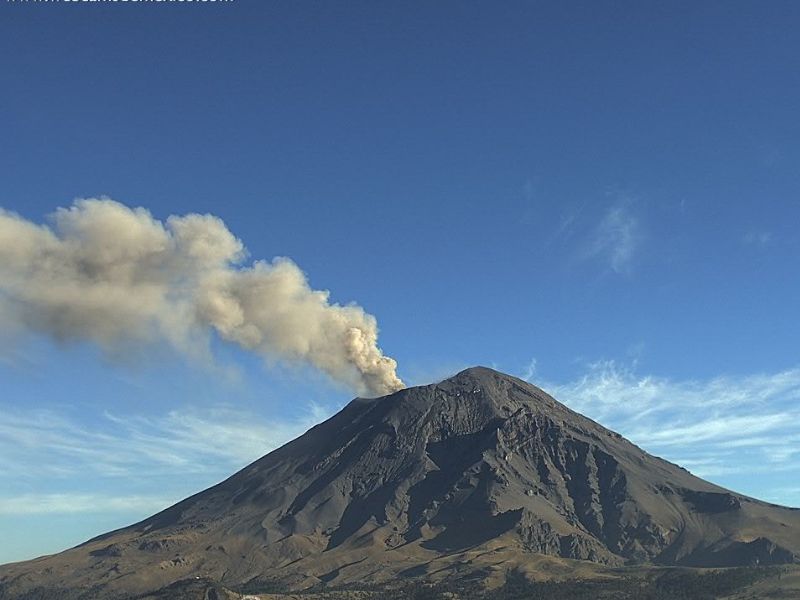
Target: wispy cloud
529 371
713 427
565 230
616 238
42 443
129 465
38 504
719 428
760 239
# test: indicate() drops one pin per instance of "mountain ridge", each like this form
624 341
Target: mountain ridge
482 466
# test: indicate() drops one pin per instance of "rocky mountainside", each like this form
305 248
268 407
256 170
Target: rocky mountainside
470 477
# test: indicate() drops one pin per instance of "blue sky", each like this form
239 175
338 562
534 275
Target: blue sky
600 197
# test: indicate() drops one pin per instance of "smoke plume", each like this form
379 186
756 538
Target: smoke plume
117 277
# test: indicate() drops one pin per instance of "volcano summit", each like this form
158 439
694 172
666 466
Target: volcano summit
475 476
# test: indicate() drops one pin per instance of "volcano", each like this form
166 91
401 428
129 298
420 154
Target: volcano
469 477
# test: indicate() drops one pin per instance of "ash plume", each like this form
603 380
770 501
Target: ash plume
116 276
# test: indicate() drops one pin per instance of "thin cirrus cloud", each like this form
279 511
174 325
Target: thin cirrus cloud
720 428
760 239
130 466
38 444
70 503
716 427
616 238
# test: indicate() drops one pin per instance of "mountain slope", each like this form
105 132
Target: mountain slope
469 477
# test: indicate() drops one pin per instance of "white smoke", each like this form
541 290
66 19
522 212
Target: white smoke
117 277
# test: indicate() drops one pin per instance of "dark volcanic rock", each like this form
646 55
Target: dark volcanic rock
439 478
712 502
